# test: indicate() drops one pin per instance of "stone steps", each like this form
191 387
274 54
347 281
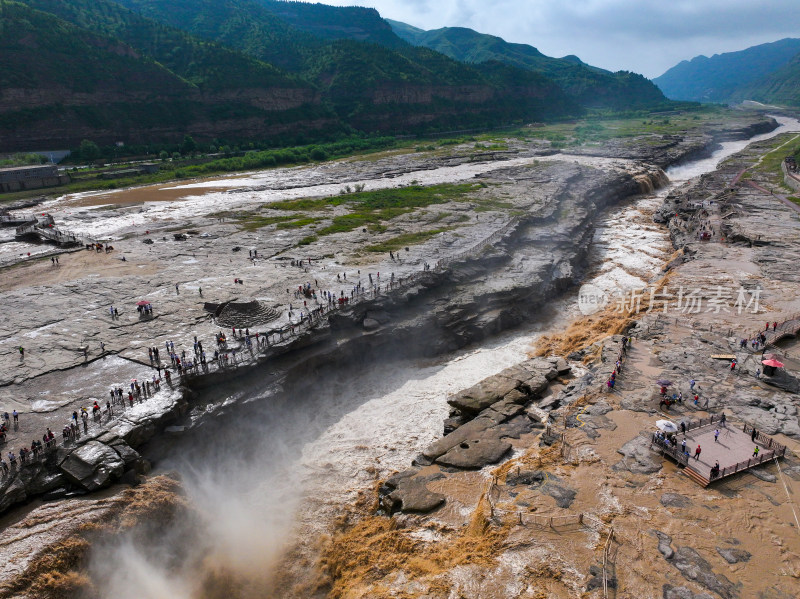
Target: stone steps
696 476
247 314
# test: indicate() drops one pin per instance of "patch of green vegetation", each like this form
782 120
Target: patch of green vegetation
308 240
372 220
300 222
22 160
770 163
491 204
494 146
401 241
794 199
254 222
414 196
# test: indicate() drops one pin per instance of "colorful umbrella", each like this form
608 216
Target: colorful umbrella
143 303
663 382
774 363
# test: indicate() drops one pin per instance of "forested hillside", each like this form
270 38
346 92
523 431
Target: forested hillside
374 80
584 84
152 71
733 75
782 87
61 83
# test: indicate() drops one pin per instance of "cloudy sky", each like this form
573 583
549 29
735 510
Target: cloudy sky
645 36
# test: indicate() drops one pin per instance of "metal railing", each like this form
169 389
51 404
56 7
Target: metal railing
772 447
764 440
478 248
744 465
667 447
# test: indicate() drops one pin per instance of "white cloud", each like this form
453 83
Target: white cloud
644 36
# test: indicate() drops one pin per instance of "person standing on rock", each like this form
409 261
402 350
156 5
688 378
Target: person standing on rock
177 291
697 453
21 352
692 384
716 436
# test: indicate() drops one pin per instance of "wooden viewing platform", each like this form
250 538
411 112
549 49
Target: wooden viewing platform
788 328
42 227
14 220
733 450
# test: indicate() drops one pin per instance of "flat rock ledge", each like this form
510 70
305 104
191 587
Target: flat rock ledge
97 460
482 420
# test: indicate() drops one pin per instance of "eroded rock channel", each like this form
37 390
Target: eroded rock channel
529 243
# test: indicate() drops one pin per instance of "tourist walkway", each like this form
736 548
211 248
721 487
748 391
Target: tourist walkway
733 449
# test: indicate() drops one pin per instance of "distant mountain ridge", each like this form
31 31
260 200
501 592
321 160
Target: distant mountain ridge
287 72
590 86
762 73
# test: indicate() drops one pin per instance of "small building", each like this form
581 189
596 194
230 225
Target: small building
20 178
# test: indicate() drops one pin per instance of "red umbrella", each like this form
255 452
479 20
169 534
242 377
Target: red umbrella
774 363
143 303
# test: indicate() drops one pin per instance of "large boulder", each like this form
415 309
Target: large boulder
12 492
695 568
475 453
408 492
519 383
545 483
734 556
671 592
675 500
93 466
639 458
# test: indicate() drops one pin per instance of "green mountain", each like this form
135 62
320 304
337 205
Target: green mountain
728 76
781 87
61 83
335 22
374 80
152 71
245 25
587 85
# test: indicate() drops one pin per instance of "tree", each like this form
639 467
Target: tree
163 155
319 154
89 151
188 146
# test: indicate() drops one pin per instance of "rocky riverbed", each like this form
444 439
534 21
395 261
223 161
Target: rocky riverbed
586 507
528 244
